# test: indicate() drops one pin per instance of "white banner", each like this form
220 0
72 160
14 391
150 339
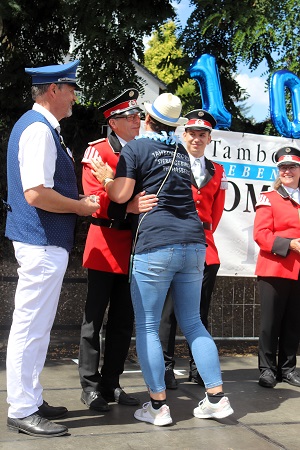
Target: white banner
248 163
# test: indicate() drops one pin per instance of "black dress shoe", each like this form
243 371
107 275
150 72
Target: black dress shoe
52 412
94 400
119 396
35 425
267 379
170 380
292 378
195 378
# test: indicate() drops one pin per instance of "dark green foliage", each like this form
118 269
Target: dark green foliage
32 33
108 35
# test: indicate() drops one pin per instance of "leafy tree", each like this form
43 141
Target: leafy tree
256 30
108 35
162 45
27 38
163 58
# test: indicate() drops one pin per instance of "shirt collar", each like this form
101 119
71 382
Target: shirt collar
202 160
290 190
122 141
48 115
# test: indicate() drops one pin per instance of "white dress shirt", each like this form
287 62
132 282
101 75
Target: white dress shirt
198 168
293 193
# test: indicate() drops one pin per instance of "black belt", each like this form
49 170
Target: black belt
207 226
116 224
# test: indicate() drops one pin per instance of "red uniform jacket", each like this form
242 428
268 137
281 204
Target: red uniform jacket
106 249
209 199
276 223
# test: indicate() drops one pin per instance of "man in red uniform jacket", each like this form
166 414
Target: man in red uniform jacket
208 185
106 256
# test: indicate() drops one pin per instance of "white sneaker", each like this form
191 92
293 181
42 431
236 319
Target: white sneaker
208 410
158 417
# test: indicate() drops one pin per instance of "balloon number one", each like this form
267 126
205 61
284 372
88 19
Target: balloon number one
205 71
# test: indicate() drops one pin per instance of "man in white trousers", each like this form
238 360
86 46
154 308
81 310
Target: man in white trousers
43 205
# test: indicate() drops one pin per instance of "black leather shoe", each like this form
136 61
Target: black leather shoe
292 378
119 396
35 425
170 380
94 400
52 412
267 379
195 378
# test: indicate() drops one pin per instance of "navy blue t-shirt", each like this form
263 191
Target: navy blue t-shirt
174 220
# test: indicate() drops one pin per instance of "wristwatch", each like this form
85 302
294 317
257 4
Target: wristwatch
107 180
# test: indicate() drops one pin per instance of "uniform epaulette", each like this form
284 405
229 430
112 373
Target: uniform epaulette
224 181
224 184
97 141
90 153
263 201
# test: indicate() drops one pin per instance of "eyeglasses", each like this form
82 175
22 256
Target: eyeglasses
291 168
130 117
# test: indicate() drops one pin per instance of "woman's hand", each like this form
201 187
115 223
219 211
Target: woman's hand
101 170
142 203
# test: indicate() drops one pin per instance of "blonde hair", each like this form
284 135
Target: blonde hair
277 183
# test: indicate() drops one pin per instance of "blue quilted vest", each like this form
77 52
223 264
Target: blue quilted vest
32 225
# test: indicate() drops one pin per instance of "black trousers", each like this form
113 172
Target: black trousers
168 324
105 288
279 324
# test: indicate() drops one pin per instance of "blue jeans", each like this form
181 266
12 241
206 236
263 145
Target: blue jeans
179 266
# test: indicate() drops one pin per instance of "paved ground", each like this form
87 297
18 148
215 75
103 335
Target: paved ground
263 419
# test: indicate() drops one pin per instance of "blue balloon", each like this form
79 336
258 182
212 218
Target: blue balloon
205 71
279 82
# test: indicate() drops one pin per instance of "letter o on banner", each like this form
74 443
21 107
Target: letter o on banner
279 81
205 71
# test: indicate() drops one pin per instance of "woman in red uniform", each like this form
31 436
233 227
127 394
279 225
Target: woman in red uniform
277 232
